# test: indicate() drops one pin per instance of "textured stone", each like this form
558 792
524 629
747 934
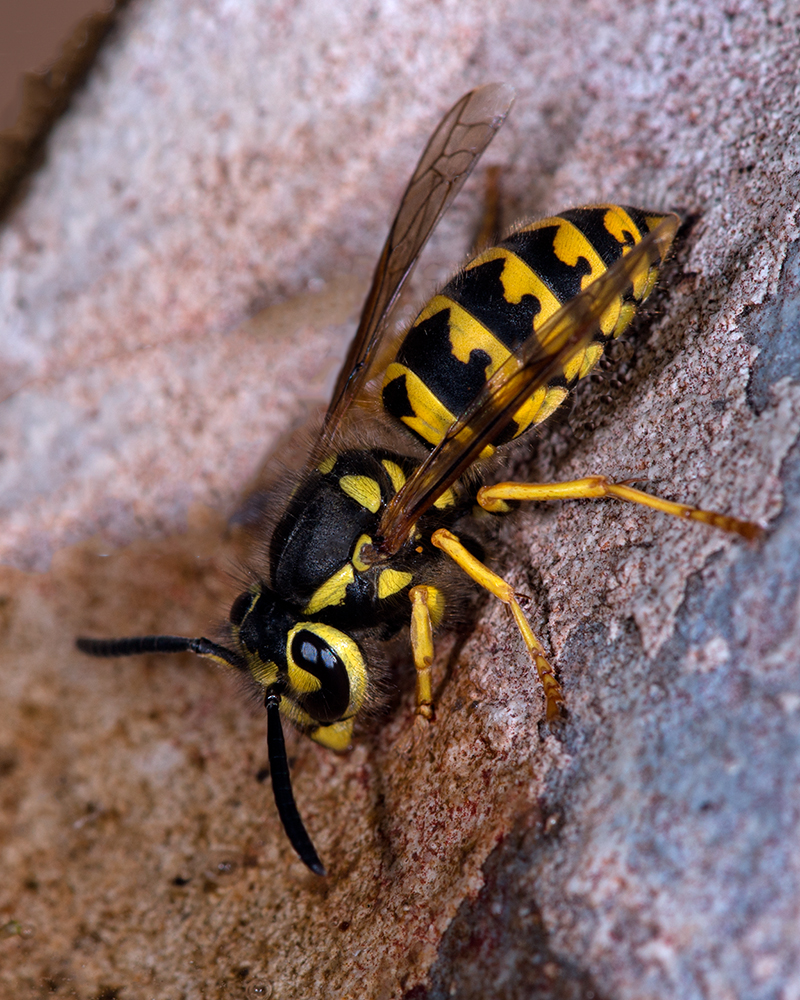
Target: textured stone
229 157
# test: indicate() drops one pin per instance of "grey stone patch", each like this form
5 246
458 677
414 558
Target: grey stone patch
775 328
501 938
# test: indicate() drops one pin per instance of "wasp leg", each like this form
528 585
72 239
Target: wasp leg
422 645
492 498
449 544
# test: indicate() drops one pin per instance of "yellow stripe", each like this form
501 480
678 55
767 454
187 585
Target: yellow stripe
332 592
584 361
430 419
617 222
327 464
518 280
391 581
363 490
447 499
527 413
466 333
395 473
591 356
357 561
569 244
554 398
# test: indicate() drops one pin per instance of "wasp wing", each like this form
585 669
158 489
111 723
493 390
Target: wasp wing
453 150
540 359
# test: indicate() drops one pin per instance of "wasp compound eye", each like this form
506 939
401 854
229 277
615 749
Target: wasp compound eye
240 607
319 676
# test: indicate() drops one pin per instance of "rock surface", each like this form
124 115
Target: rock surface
225 159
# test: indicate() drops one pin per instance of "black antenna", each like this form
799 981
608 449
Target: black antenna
137 644
282 786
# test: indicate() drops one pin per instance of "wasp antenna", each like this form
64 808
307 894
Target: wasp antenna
137 644
282 787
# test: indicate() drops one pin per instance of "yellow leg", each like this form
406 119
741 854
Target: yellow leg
491 498
449 543
422 645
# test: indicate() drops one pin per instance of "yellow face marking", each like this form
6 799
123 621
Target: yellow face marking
327 464
349 653
357 561
292 711
337 736
332 592
391 581
364 490
395 473
302 681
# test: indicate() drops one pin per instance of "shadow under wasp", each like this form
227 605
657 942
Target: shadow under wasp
370 537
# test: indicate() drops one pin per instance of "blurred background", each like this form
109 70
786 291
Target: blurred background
32 37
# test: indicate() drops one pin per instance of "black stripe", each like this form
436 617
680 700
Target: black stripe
639 218
537 248
427 351
480 291
395 398
590 221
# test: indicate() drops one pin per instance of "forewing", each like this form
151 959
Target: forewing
540 359
453 150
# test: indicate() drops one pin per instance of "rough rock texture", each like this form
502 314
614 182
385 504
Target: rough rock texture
227 157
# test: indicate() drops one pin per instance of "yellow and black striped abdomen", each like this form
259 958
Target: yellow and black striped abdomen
501 298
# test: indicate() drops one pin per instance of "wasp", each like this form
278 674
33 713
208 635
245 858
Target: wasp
374 532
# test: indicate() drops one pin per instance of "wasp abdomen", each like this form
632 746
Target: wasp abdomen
500 299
